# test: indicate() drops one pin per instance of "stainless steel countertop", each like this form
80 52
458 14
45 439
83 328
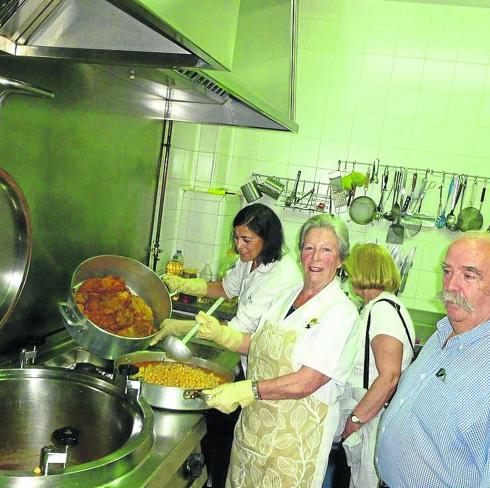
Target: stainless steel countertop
176 436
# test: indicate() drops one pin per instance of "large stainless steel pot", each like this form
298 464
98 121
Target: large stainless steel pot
115 430
140 279
170 397
15 243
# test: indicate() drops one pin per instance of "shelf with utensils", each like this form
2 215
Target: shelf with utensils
421 198
300 194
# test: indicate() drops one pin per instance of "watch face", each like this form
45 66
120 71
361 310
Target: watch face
355 419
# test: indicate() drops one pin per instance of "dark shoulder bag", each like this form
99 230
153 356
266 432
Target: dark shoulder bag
365 382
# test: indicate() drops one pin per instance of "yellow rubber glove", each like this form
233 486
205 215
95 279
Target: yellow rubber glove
172 327
191 286
229 396
210 329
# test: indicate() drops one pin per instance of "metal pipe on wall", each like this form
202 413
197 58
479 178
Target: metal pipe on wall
159 200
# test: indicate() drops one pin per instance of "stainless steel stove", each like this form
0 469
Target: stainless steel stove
175 459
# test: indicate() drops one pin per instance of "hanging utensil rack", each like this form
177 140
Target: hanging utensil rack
311 195
316 196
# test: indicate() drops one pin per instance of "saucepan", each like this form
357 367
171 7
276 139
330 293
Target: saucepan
140 279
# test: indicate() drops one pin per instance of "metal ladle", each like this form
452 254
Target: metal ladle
451 219
177 348
392 214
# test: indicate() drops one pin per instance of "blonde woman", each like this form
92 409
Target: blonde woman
385 338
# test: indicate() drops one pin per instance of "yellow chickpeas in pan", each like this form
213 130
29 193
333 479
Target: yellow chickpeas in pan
178 375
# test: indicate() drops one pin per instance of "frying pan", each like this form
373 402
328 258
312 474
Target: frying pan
470 218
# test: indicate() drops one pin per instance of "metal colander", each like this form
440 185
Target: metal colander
362 210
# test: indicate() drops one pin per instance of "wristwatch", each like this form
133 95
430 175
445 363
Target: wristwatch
356 420
255 391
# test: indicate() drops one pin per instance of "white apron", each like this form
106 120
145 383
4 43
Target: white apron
280 443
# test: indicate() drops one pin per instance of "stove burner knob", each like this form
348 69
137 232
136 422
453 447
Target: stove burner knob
128 369
194 465
66 436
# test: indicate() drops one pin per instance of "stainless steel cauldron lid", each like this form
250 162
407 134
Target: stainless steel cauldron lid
15 243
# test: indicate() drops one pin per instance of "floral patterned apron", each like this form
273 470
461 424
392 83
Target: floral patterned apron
278 443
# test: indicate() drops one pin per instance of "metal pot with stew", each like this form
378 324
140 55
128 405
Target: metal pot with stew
115 306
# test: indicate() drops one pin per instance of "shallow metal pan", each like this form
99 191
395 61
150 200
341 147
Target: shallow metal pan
170 397
140 279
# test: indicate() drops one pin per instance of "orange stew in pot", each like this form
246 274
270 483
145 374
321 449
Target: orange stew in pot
108 303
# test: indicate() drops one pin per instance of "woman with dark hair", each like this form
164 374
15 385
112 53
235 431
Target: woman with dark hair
262 272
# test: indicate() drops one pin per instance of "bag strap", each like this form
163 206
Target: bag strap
396 306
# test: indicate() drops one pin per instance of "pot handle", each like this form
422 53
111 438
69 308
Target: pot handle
66 311
193 394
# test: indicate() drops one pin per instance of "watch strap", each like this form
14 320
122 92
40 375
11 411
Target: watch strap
255 391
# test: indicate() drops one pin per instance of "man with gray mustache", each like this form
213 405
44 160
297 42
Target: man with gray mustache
436 431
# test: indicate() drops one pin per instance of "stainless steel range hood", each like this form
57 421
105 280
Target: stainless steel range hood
102 31
168 74
182 95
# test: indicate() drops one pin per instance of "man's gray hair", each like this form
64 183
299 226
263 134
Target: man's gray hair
474 235
327 221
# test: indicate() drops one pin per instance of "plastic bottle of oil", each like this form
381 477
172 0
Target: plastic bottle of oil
176 267
206 273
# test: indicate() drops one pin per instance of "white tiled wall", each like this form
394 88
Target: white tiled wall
406 82
204 229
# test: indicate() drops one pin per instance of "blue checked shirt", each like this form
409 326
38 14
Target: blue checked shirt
436 431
